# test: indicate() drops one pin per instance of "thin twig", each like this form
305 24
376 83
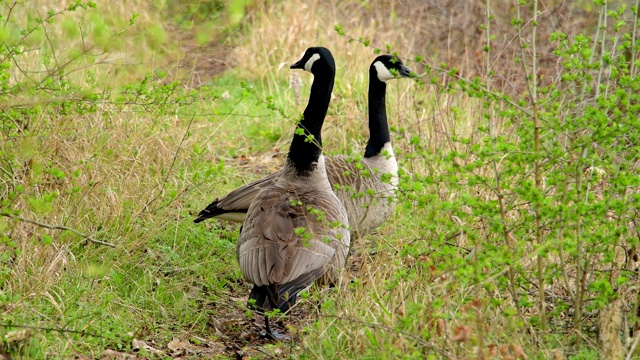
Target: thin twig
8 16
173 162
264 352
51 46
26 33
632 61
50 329
57 227
453 75
389 328
633 347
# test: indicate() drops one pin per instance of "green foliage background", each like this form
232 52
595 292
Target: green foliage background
516 232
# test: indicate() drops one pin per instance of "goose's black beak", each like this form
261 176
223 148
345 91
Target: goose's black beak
404 71
298 65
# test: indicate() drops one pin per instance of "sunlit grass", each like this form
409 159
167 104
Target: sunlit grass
133 167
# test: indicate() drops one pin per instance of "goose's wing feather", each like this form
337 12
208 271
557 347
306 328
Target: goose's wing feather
234 205
343 173
272 251
359 186
352 178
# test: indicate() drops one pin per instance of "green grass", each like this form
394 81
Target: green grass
104 142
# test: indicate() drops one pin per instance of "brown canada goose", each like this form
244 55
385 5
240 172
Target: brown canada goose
366 187
295 231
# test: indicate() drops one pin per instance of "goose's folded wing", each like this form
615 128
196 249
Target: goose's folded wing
234 205
277 243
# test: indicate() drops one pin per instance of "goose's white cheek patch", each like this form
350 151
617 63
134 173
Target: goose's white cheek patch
309 63
383 73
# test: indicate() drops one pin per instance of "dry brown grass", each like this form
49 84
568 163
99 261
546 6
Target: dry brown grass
101 39
115 189
266 57
132 184
442 32
122 165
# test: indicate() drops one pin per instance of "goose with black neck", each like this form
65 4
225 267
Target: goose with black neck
295 231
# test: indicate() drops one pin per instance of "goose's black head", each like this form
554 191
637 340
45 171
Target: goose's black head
388 67
316 60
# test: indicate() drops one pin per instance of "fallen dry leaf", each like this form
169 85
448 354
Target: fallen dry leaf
462 333
178 347
137 345
504 350
518 352
217 325
492 350
17 335
440 327
557 355
117 355
476 303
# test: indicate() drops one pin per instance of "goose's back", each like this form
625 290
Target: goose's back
290 233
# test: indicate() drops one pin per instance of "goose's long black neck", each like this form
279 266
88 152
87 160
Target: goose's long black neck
378 126
303 153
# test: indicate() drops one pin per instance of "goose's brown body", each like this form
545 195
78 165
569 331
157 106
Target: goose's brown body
295 233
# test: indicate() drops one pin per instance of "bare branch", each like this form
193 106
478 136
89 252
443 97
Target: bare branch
418 339
173 162
57 227
50 329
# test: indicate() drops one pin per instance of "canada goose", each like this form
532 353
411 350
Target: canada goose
295 231
366 188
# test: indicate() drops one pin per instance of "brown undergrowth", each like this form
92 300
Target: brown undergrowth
448 276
